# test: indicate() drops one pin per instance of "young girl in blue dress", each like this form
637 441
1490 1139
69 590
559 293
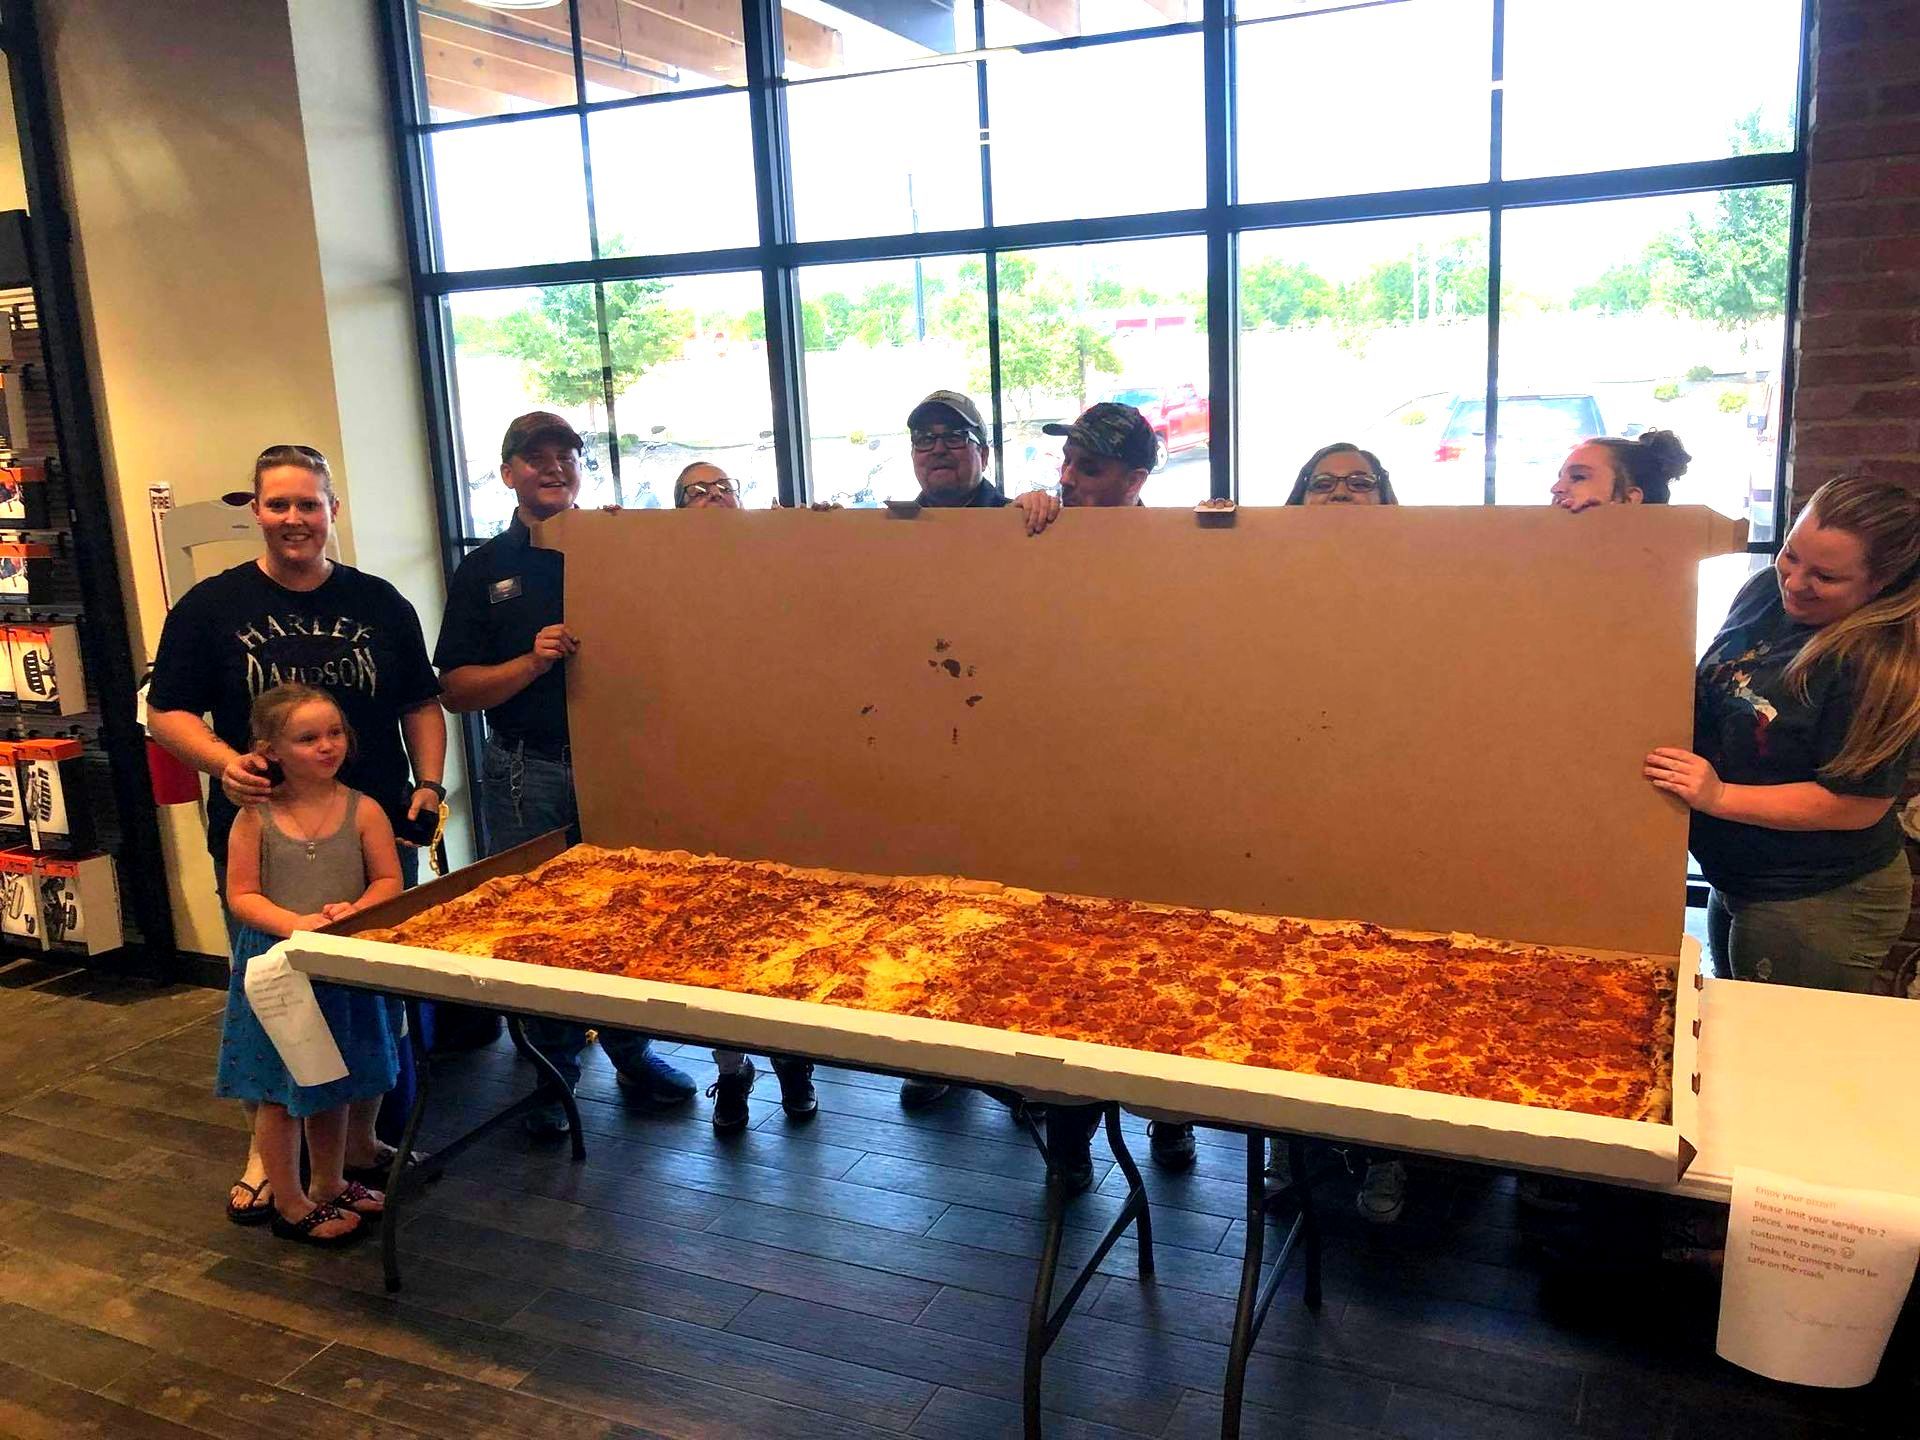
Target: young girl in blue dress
314 853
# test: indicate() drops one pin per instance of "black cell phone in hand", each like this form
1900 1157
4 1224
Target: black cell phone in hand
276 774
419 830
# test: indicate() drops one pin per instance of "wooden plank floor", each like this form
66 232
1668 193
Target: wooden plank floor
863 1276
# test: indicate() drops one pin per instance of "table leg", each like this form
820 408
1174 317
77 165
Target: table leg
1256 1299
401 1171
405 1175
1044 1319
550 1080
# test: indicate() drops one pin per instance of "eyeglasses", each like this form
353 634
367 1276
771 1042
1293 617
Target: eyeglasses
1359 484
925 440
700 489
306 450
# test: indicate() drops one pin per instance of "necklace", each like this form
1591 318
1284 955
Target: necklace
311 838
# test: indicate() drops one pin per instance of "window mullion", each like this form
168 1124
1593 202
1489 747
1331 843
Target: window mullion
1496 101
780 291
1223 249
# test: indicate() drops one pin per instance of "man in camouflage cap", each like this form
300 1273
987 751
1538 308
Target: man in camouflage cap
1110 452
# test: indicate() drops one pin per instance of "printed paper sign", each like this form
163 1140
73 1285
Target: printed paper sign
283 1003
1815 1277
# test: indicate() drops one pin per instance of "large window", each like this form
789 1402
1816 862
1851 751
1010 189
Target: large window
1462 233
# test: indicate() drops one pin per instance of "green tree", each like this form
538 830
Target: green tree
557 339
1048 345
883 315
1278 294
1730 269
1619 290
477 334
1426 285
1727 267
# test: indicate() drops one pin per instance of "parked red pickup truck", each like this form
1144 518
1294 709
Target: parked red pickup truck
1180 415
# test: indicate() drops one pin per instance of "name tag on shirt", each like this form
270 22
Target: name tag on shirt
507 589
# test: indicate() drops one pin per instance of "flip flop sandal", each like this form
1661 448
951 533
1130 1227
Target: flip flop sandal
301 1231
376 1173
258 1209
365 1203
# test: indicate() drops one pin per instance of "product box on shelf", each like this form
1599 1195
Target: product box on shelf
20 916
23 496
13 802
79 903
1316 712
9 698
44 660
26 572
13 395
53 789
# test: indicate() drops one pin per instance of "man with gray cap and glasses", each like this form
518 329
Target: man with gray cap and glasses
950 451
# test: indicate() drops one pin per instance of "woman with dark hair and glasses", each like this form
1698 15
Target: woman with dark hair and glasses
1342 474
295 616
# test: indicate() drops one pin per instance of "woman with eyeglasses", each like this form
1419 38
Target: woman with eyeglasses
704 486
296 616
1342 474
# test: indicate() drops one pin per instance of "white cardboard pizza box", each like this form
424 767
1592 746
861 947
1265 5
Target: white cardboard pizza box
1426 718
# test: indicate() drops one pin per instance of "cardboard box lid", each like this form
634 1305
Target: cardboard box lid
1421 717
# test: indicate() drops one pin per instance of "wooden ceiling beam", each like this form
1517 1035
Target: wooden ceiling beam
489 62
466 99
1060 16
703 36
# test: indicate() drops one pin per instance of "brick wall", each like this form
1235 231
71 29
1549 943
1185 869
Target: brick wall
1856 401
1857 394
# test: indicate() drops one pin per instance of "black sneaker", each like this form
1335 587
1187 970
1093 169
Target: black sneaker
918 1094
1070 1148
654 1083
729 1095
796 1087
547 1122
1171 1143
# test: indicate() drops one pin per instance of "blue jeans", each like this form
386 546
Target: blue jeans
525 796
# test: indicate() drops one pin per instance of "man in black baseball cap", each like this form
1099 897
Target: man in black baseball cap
504 646
950 449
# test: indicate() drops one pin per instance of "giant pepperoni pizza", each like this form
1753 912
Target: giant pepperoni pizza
1450 1013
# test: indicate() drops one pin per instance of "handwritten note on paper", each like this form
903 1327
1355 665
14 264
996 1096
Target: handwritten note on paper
282 1001
1815 1277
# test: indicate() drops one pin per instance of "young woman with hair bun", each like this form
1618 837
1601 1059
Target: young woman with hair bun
1608 470
1806 713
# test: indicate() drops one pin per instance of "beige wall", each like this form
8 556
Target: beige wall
13 179
242 283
